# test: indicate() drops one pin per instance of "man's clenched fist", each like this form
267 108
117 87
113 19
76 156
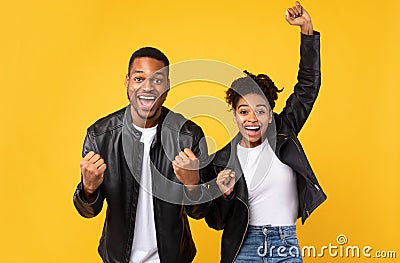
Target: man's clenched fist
186 167
92 169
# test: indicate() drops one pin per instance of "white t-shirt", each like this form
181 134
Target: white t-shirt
144 245
272 186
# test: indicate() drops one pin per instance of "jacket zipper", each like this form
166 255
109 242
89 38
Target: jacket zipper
306 177
247 225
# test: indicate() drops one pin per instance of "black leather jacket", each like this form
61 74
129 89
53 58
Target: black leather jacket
232 215
118 142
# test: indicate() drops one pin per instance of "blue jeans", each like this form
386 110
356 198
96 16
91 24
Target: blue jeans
270 244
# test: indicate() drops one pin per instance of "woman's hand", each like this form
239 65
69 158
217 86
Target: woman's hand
298 16
226 182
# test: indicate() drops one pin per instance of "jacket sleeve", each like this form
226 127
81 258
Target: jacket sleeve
300 102
83 207
219 212
220 209
199 208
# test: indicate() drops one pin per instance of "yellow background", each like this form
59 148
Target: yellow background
62 66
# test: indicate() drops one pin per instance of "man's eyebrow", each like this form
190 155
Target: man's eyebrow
138 71
158 73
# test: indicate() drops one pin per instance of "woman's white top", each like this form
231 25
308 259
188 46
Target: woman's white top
272 187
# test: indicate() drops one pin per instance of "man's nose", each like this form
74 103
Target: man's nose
147 85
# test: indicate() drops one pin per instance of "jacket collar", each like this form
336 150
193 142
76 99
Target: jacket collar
127 123
132 148
226 158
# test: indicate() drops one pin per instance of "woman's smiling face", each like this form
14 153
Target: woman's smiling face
252 116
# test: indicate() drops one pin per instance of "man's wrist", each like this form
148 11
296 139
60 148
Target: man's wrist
88 195
191 188
193 185
193 192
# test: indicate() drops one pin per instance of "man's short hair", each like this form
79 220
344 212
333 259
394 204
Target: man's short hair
149 52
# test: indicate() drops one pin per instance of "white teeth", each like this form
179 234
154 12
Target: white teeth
252 127
146 97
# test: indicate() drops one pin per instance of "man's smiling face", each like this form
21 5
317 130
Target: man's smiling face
147 85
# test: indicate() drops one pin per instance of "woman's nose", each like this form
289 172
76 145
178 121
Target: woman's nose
252 117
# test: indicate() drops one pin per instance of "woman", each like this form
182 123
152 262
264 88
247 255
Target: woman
265 177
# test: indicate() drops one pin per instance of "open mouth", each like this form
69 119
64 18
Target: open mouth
147 101
252 128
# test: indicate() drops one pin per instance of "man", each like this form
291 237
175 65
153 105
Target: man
127 160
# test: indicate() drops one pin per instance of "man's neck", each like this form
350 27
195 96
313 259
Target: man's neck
145 123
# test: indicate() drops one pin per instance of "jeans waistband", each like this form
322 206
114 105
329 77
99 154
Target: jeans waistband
272 230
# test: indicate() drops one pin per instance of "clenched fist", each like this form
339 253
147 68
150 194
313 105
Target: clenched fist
298 16
92 169
226 182
186 167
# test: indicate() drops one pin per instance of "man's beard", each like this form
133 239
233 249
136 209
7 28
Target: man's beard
146 116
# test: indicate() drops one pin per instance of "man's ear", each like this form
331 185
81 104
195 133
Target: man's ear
126 82
167 87
166 93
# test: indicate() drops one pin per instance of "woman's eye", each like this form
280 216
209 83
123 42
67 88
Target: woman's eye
243 112
260 112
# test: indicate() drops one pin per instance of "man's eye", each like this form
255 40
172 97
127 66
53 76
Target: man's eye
260 112
137 79
157 81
